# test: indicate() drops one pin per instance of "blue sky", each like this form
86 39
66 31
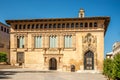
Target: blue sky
27 9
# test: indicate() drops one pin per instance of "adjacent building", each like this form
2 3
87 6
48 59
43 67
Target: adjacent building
4 39
115 50
109 55
62 44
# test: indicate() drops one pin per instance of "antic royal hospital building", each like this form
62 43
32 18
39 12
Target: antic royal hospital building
62 44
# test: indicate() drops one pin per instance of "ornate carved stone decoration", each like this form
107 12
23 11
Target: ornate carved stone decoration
89 42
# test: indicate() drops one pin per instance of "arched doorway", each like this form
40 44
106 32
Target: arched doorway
52 64
89 61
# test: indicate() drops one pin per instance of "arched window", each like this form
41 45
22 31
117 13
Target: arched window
59 25
63 25
81 24
86 24
95 24
54 26
28 27
77 25
32 26
24 26
67 26
90 24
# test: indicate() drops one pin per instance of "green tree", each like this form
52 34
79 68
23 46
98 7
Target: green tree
108 65
3 57
116 67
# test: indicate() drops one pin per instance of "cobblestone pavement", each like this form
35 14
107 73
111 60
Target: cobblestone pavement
46 75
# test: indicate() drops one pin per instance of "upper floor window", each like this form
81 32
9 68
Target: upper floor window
86 24
37 26
50 25
24 26
16 26
67 26
7 30
28 27
68 41
38 41
63 25
77 25
32 26
72 25
90 24
20 26
54 26
20 42
81 24
45 26
59 25
95 24
53 41
4 29
1 28
41 26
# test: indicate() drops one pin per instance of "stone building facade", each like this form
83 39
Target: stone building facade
4 39
116 48
62 44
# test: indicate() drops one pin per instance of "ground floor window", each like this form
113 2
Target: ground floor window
20 58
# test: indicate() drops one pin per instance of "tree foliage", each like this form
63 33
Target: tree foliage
112 67
108 65
3 57
116 67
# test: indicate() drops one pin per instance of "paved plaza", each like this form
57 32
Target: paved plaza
8 72
49 75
